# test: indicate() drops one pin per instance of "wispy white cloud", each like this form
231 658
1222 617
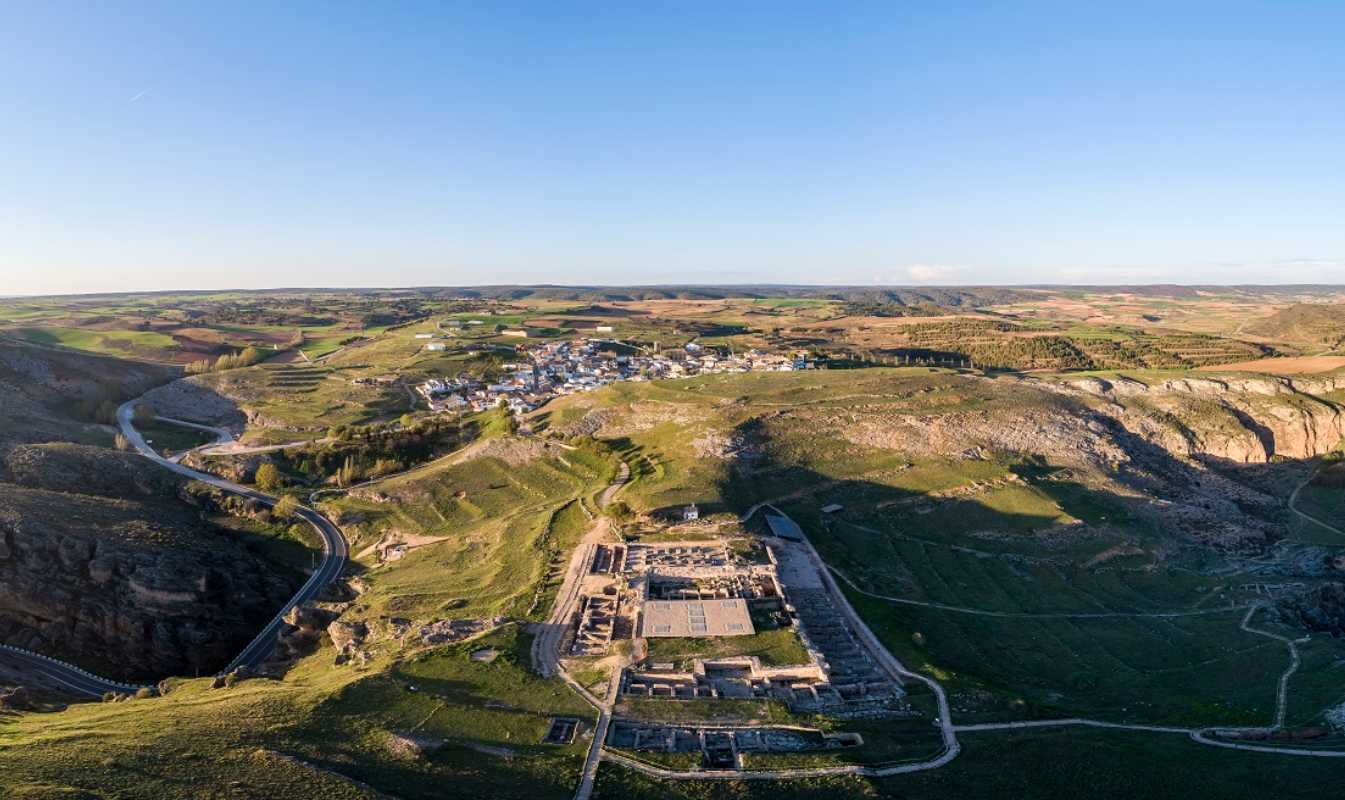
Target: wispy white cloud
924 274
139 95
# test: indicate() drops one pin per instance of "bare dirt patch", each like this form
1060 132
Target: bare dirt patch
513 451
1303 365
640 417
396 544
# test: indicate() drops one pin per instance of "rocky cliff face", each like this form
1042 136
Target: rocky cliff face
1246 420
102 565
194 399
1180 443
1321 610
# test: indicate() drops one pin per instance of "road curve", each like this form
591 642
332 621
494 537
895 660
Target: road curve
335 549
1293 506
335 553
63 674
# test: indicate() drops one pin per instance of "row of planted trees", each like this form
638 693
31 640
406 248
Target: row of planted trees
246 357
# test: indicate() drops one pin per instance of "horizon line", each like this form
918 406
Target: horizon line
687 286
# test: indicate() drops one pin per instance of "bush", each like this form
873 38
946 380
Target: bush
268 478
285 507
349 474
143 415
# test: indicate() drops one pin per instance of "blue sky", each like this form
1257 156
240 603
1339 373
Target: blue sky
207 145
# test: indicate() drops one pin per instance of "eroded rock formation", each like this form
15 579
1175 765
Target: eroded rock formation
101 564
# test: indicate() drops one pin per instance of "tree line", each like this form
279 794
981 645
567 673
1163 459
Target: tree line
246 357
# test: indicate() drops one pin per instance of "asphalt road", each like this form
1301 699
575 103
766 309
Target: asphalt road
335 554
49 670
335 549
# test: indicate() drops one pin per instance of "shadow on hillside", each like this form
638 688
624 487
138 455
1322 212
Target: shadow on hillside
198 402
1158 500
471 757
1141 546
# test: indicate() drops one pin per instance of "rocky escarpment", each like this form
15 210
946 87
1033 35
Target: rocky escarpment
50 394
1177 446
102 565
1246 420
1321 609
195 400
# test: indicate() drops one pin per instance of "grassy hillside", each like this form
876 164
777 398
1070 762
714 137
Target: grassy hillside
312 735
1314 326
966 513
500 525
1002 510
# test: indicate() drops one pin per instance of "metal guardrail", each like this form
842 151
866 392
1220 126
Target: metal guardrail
132 687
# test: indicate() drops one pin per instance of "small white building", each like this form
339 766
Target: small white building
424 336
691 513
605 329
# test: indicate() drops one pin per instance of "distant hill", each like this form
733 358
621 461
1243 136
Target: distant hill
1285 290
947 297
1311 325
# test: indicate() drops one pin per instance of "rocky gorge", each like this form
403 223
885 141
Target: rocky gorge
104 565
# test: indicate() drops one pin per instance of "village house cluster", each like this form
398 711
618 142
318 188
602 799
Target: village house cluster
566 367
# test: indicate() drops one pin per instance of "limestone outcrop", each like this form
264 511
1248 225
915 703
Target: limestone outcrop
1246 420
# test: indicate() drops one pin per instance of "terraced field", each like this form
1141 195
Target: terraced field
295 379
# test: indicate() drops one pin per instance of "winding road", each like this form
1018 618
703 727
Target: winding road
335 554
1293 506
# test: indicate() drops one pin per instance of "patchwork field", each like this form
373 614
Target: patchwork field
1304 365
1043 531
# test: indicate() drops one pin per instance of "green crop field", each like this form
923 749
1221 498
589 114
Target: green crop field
126 343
